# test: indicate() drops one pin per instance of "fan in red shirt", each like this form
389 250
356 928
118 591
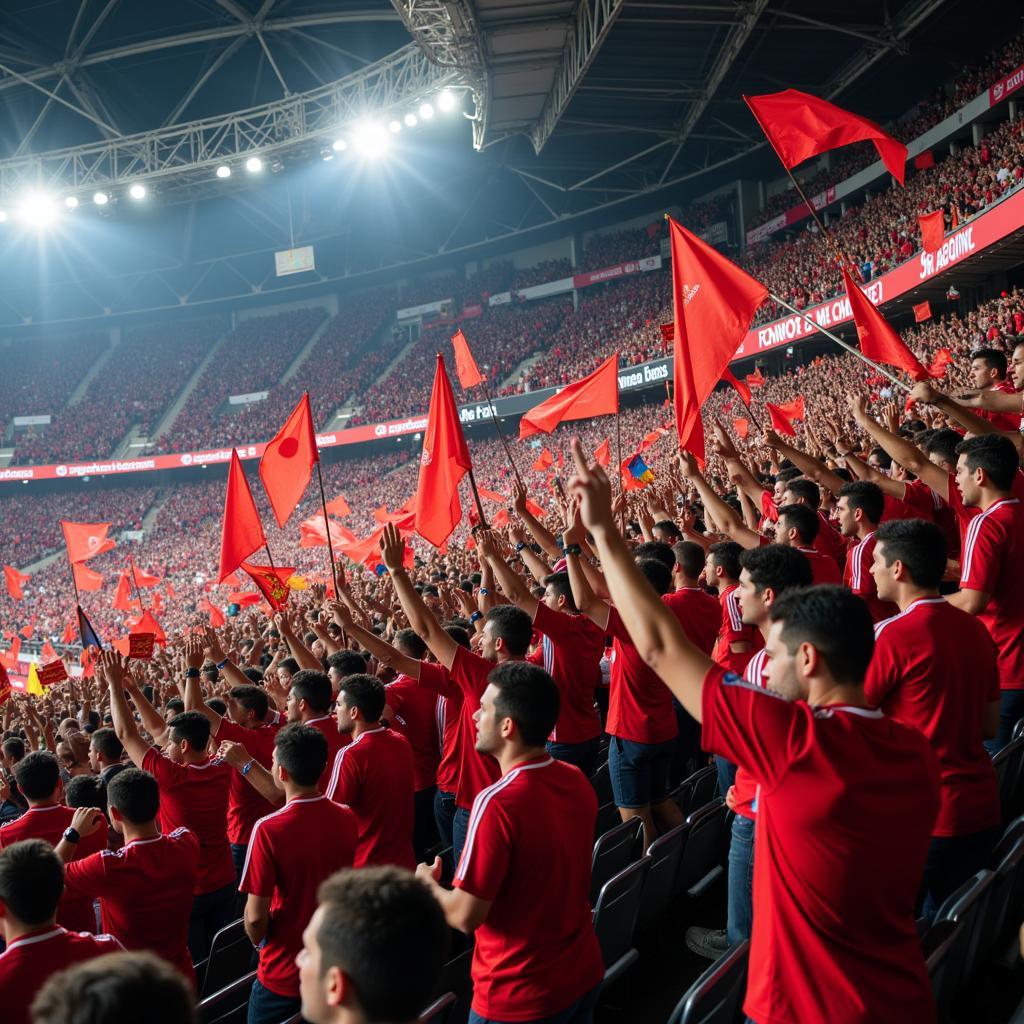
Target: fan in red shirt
309 702
291 851
193 794
988 373
934 668
38 778
737 642
570 652
824 883
798 526
374 775
861 505
31 883
522 883
145 888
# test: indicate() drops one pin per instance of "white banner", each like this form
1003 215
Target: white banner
294 261
249 398
31 421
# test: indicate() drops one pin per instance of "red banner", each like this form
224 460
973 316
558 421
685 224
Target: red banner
793 215
613 273
50 675
1010 84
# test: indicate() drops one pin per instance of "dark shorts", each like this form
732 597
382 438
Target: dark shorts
639 771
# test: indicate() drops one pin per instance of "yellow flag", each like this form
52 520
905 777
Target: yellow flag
33 685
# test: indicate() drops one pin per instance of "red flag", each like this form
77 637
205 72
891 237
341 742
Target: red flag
140 646
68 636
288 460
800 126
86 540
779 420
123 601
272 581
933 230
597 394
878 341
147 624
52 673
491 495
14 581
924 160
922 311
465 364
339 507
242 531
443 463
216 615
742 389
755 379
668 331
714 302
742 428
793 410
86 578
543 461
142 579
47 653
943 357
313 534
28 631
603 453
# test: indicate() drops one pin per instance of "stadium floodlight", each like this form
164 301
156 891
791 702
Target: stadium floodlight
254 165
446 101
395 127
339 145
426 111
223 171
101 198
371 140
411 120
71 202
37 209
137 191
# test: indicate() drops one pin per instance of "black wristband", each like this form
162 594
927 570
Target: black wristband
72 835
191 673
572 549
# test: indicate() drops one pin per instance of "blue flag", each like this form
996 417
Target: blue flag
89 636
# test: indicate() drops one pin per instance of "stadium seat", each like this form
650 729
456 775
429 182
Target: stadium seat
615 916
716 997
440 1010
614 851
455 976
229 1005
231 956
664 856
601 780
608 817
1003 905
696 790
967 906
701 864
1018 730
1007 764
939 948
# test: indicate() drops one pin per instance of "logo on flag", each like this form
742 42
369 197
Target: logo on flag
425 457
689 293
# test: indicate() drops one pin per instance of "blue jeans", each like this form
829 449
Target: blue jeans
581 1012
951 861
210 912
444 812
741 880
460 827
1011 708
584 755
726 774
266 1007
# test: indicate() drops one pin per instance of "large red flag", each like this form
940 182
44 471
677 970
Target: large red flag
288 460
143 579
714 302
878 341
216 615
933 231
242 531
14 581
780 421
86 578
148 624
742 389
800 126
543 461
86 540
272 581
123 601
937 368
465 364
443 463
597 394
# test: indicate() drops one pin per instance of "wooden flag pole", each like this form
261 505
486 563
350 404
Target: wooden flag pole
327 528
501 435
476 498
74 582
135 583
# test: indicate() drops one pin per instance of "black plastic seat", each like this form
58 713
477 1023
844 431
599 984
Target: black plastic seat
939 948
614 851
228 1005
716 997
440 1010
967 907
701 864
615 917
601 780
664 856
231 956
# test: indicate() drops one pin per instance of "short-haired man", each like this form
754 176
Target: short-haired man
374 775
934 668
367 922
291 852
106 754
797 527
861 505
988 373
522 884
31 884
38 777
309 702
737 641
146 887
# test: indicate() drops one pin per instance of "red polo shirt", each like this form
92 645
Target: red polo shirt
733 630
245 805
328 725
859 579
415 709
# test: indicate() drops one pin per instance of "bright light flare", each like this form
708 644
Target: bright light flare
371 140
223 171
426 111
254 165
137 191
37 209
446 101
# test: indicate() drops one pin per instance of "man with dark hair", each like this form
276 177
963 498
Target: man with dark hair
113 989
737 641
374 775
38 777
146 887
12 804
571 650
656 550
934 668
194 792
840 855
367 922
988 373
667 532
506 637
522 883
798 526
31 884
105 754
861 505
344 663
309 702
291 852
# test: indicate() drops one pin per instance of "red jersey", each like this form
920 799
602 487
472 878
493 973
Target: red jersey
733 630
993 562
415 711
195 796
934 668
918 494
145 891
245 805
374 776
28 962
1001 420
48 823
290 853
823 568
328 725
744 787
571 650
859 579
527 852
448 715
829 541
699 613
845 812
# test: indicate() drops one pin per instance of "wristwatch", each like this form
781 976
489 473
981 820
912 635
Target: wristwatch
192 673
247 767
476 617
520 545
221 664
72 835
572 549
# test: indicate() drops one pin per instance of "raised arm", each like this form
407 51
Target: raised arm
384 652
541 534
724 515
655 631
970 421
536 565
812 468
583 595
152 721
112 665
251 770
511 582
300 652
